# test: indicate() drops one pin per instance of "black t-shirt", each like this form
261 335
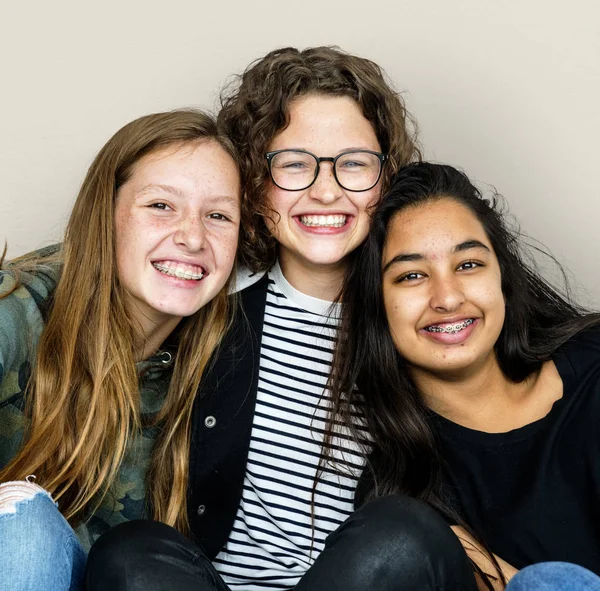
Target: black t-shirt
534 493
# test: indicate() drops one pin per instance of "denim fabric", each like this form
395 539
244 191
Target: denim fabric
39 550
554 576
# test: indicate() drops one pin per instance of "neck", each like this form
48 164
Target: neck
153 334
483 399
318 281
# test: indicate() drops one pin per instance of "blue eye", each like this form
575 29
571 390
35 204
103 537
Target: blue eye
218 216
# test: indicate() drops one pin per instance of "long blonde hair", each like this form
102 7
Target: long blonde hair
83 395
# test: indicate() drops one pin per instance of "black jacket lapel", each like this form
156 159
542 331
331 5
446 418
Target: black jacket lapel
222 425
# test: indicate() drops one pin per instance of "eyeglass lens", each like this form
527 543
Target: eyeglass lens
355 171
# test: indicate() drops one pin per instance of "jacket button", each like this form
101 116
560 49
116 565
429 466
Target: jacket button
201 509
210 421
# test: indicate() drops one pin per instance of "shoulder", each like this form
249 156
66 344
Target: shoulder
249 316
23 298
36 283
252 298
580 355
244 278
25 290
33 275
584 345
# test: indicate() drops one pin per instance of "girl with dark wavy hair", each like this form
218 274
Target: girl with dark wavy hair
479 382
319 132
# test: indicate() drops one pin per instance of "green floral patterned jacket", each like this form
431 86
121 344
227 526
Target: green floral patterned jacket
21 323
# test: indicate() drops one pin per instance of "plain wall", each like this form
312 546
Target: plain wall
508 91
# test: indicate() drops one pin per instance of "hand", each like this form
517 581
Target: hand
481 558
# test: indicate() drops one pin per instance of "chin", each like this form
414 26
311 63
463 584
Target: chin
326 258
177 309
456 368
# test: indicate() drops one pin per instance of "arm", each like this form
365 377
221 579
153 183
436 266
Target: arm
20 327
478 555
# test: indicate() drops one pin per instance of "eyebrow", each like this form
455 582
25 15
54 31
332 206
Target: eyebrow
167 188
350 149
179 193
415 256
469 244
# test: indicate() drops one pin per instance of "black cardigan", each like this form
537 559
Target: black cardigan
222 425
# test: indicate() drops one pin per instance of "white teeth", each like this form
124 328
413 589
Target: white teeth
451 328
323 221
180 270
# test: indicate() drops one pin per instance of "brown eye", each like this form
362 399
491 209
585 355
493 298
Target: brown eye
468 265
410 277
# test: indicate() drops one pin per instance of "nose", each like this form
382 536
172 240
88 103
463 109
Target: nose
191 233
447 294
325 188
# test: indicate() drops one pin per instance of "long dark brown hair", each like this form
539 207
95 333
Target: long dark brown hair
539 319
256 107
83 398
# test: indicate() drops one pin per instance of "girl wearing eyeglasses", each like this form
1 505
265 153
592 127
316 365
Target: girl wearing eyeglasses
320 133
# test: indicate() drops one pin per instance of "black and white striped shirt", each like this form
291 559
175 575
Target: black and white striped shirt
271 544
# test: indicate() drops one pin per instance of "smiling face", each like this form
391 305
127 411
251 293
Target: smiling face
318 227
176 225
442 289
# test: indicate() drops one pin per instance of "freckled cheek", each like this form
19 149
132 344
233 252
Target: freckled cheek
365 202
136 239
279 209
361 230
125 239
225 247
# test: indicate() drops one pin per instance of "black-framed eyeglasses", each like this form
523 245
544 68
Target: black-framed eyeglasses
354 170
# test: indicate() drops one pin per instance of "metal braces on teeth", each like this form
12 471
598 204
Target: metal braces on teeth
452 328
179 275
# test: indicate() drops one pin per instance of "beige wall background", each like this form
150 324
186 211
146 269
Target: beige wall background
507 90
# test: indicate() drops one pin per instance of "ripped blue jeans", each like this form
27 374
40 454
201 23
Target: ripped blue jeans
38 548
39 551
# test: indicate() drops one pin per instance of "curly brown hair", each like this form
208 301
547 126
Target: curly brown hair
255 108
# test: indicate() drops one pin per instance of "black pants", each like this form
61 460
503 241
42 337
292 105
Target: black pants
390 544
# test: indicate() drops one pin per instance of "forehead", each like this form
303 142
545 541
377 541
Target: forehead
322 122
197 163
434 227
